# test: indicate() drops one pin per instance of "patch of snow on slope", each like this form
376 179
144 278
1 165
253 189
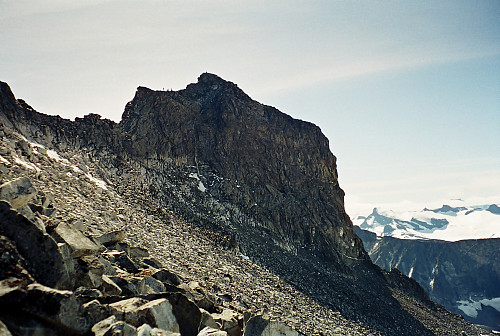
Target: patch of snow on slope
4 160
76 169
54 155
201 186
471 307
26 164
98 182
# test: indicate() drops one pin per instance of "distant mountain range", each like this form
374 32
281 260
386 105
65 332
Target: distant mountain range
449 223
453 252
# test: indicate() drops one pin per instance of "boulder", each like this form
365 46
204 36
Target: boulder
88 272
54 309
121 328
12 264
207 331
3 330
109 287
166 276
186 312
17 192
26 211
108 267
94 312
146 330
112 237
128 289
124 262
137 311
229 321
101 327
77 242
258 326
208 320
150 285
152 262
136 252
196 293
44 260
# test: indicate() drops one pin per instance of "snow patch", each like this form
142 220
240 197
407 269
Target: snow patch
98 182
54 155
76 169
26 164
32 143
472 307
201 186
244 256
4 160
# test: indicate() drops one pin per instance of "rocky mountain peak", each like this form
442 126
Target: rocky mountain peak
274 167
210 85
7 99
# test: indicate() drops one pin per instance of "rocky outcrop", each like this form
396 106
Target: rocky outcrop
274 167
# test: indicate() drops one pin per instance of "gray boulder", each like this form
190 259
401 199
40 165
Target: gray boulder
137 311
109 287
147 330
229 321
44 260
116 236
150 285
207 331
166 276
12 264
77 242
17 192
57 311
258 326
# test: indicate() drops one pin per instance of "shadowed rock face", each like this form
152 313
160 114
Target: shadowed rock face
275 167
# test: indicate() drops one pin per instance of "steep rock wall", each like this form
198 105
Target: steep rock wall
277 169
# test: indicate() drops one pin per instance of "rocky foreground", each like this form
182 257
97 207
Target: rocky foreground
101 237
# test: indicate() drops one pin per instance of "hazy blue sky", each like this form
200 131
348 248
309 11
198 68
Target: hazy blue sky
408 92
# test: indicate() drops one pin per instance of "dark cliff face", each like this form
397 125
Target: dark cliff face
275 167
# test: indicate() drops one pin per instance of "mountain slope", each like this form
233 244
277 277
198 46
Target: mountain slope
225 191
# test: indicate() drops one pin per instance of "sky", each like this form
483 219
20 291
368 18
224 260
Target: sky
407 92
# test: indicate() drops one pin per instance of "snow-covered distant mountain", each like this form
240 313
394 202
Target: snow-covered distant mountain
450 223
452 251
